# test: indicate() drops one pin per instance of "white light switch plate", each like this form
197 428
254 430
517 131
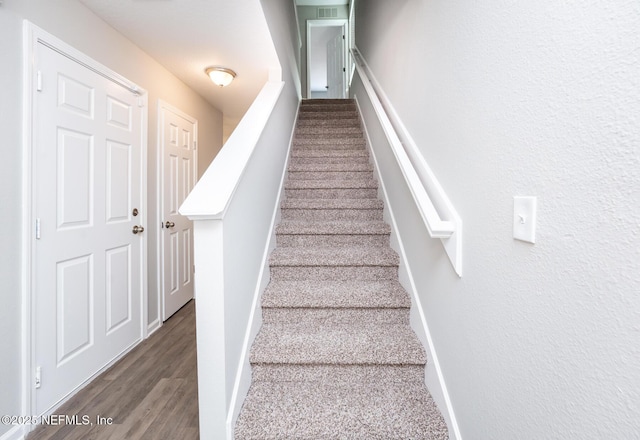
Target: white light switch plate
524 218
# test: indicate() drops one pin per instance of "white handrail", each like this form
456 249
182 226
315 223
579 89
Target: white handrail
437 227
422 189
211 195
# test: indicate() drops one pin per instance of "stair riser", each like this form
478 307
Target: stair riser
332 214
329 137
321 140
332 193
331 175
324 183
320 317
346 155
331 168
326 116
334 294
323 132
331 204
328 108
328 140
338 373
315 273
352 122
346 152
322 161
322 129
327 101
292 240
358 344
318 147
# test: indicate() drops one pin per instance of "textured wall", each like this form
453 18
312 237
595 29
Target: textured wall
526 98
10 208
73 23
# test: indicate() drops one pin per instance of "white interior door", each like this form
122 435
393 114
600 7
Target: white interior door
178 165
88 265
318 41
336 66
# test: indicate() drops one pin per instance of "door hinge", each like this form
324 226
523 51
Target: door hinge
195 145
344 69
38 382
343 37
140 102
37 229
39 81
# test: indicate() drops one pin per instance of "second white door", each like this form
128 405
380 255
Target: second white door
178 168
336 66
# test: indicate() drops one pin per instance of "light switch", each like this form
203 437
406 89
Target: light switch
524 218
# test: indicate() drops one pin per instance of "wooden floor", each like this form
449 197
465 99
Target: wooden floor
151 393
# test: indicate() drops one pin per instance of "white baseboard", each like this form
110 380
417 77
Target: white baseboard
433 372
15 433
154 327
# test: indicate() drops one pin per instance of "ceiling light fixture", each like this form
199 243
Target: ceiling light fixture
221 76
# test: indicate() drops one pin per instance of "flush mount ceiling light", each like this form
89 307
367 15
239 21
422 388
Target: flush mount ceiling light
221 76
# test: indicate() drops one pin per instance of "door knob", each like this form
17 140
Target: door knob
138 229
169 224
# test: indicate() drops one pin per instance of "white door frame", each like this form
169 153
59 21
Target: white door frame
326 23
32 36
163 105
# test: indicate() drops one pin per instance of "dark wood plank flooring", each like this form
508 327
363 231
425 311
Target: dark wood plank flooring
151 393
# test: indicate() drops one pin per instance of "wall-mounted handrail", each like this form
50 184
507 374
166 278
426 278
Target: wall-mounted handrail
441 222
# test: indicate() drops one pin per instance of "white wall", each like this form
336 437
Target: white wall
73 23
10 208
525 98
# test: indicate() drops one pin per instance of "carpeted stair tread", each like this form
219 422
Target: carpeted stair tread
343 344
301 160
333 373
323 153
345 294
328 135
333 227
350 120
327 115
324 130
325 101
336 356
321 140
336 167
331 316
330 176
357 410
312 143
327 108
332 204
334 257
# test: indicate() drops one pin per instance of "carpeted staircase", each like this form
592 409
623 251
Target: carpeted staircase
335 357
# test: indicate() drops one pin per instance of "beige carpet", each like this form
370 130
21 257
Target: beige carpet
335 357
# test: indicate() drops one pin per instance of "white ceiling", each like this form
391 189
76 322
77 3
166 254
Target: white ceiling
186 36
